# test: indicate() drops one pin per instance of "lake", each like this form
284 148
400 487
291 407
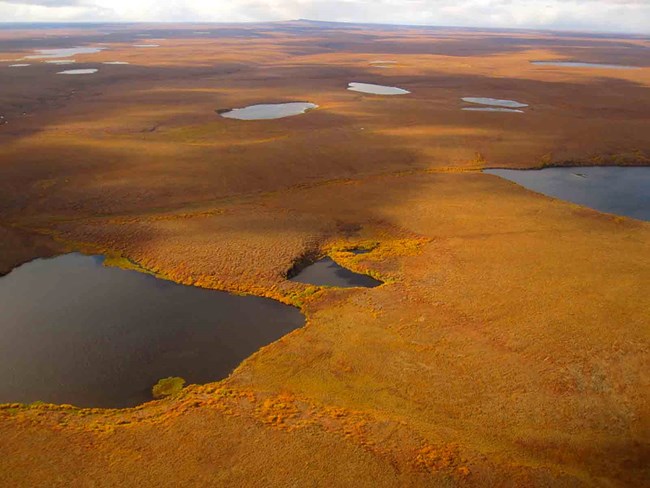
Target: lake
77 332
617 190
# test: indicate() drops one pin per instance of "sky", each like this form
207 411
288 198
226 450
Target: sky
625 16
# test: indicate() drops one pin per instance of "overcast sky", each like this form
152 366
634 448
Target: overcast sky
596 15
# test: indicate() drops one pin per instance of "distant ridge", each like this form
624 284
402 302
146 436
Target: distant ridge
369 25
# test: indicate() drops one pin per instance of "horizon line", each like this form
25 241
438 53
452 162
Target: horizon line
339 22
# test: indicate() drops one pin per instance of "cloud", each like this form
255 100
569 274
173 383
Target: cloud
602 15
48 3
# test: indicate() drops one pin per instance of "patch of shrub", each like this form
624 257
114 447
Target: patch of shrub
167 387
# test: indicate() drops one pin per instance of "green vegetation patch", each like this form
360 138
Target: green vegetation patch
167 387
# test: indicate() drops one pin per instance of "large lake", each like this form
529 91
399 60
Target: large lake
618 190
74 331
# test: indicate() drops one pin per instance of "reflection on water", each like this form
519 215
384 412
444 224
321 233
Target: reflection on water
327 272
269 111
579 64
376 89
74 331
617 190
115 62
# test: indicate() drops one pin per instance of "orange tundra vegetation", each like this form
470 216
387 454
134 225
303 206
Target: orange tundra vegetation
509 343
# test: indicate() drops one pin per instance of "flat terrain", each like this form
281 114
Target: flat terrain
509 345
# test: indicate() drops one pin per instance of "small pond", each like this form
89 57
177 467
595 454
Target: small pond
115 62
75 331
359 252
268 111
617 190
63 53
579 64
495 102
88 71
61 61
376 89
326 272
383 64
